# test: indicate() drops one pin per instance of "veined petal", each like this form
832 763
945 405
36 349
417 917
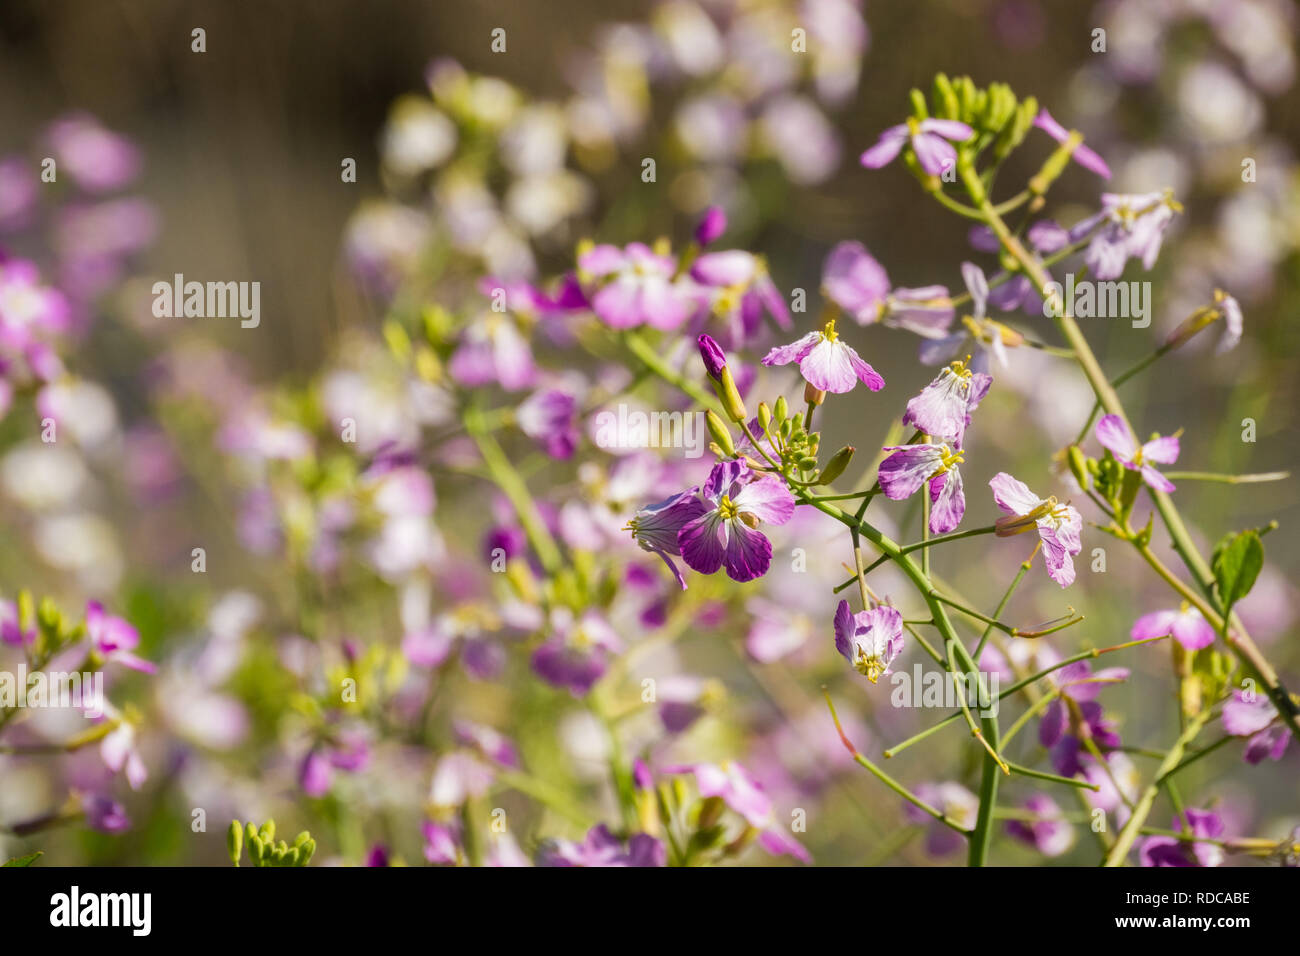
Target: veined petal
886 148
794 352
948 502
749 553
1012 495
1115 436
934 153
827 366
768 499
703 542
1163 451
1156 480
902 473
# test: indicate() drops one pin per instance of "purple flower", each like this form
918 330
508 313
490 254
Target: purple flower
656 527
459 776
742 793
573 656
683 699
104 814
602 848
636 286
956 803
1172 851
856 282
1132 226
715 360
11 631
119 753
115 638
1115 436
548 417
926 311
1058 525
827 363
990 338
903 473
735 499
942 410
1253 716
1188 626
869 640
348 750
1060 732
97 159
1050 833
1084 156
932 141
711 225
487 741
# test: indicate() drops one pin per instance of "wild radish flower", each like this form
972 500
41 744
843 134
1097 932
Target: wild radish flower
910 466
119 753
856 282
740 290
990 338
956 803
655 527
602 848
1253 716
115 639
104 814
711 225
1082 155
1188 626
1058 729
1050 833
931 140
492 350
1115 436
1131 226
869 640
942 409
736 500
743 794
1058 525
548 417
441 842
926 311
574 655
826 363
346 750
1172 851
635 286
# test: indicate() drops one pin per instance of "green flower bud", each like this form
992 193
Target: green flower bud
944 98
721 433
301 838
918 104
729 395
835 467
267 832
764 416
235 841
256 850
782 410
1078 465
305 852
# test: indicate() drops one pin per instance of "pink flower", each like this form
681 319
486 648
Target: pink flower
636 286
910 466
869 640
943 408
1115 436
114 638
826 363
743 794
1058 525
1187 625
1082 155
932 141
1254 716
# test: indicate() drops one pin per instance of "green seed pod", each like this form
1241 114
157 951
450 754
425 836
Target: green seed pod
235 841
835 467
721 434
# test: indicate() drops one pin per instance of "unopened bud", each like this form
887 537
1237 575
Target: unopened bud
812 394
721 433
1078 465
729 395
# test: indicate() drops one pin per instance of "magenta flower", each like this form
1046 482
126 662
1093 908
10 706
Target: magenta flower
715 360
826 363
910 466
942 410
1058 525
119 753
115 638
574 655
1049 833
602 848
98 159
869 640
347 750
957 804
740 290
711 226
1188 626
1115 437
735 499
1082 155
492 350
11 631
1253 716
931 139
856 282
549 418
1171 851
636 286
656 527
1057 731
743 794
441 842
104 814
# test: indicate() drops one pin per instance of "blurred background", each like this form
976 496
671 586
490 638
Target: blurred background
234 157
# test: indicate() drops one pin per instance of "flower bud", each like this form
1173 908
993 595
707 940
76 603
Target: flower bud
812 394
1078 465
782 410
721 433
729 395
764 416
711 226
835 467
235 841
715 360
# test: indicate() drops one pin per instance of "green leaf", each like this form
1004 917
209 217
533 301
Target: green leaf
1237 561
27 860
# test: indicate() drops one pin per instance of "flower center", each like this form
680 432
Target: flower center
948 459
828 331
868 665
727 508
913 126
